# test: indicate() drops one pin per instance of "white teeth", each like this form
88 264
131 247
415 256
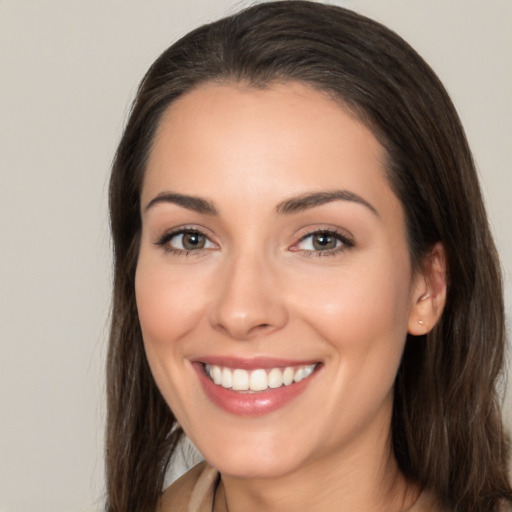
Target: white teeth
288 376
216 374
227 378
275 378
240 380
308 370
257 380
299 375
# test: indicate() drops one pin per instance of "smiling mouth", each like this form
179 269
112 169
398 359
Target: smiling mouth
261 379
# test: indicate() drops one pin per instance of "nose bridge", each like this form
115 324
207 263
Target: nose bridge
248 300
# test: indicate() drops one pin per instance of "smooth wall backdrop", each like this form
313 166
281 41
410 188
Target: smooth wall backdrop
69 70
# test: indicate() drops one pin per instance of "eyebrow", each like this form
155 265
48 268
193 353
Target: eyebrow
289 206
307 201
193 203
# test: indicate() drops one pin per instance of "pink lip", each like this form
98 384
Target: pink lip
249 404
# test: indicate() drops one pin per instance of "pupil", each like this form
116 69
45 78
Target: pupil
324 241
193 241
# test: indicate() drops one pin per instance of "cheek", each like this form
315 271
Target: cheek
362 312
169 306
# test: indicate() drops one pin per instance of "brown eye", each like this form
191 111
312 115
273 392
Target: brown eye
324 241
185 240
191 241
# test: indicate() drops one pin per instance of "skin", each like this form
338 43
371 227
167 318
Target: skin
260 288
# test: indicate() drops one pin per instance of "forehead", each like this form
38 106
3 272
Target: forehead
283 140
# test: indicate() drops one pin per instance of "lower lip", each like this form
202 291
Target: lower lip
247 403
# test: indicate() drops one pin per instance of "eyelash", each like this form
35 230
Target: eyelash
346 242
164 240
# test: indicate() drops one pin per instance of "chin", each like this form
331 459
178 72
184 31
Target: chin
256 468
252 458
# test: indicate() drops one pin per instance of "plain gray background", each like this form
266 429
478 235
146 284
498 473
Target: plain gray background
69 69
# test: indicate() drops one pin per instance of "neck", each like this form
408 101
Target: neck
367 480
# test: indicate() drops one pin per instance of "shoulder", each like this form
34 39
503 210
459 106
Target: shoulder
192 491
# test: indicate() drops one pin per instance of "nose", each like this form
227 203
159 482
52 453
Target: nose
248 301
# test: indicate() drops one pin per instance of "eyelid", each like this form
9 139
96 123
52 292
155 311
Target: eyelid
341 235
346 239
164 239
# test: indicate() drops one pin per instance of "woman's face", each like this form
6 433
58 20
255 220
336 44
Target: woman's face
273 250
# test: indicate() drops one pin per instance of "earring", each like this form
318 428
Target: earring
426 295
422 323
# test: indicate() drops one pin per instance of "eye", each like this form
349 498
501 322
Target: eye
323 242
185 240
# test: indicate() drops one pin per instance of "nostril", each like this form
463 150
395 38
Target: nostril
244 332
245 311
259 328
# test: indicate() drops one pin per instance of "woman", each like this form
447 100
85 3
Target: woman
305 282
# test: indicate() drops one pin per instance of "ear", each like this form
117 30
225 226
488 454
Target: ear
428 295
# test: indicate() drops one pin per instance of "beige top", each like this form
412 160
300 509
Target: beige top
194 492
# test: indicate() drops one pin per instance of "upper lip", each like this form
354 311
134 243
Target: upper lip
253 363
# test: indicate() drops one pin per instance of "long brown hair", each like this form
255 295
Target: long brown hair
446 429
